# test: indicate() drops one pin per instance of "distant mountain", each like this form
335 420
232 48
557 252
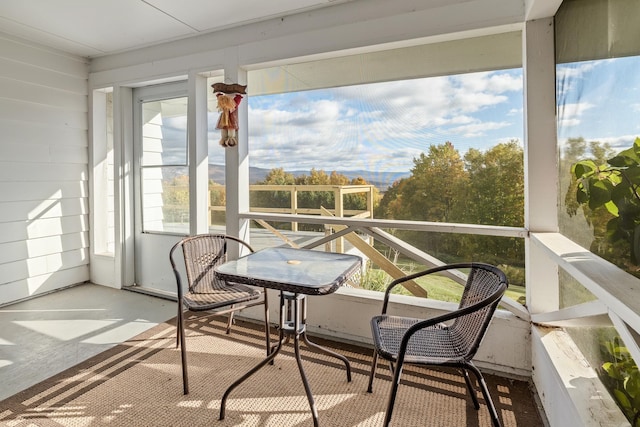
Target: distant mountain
381 179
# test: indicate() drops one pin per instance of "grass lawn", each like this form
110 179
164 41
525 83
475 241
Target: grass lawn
444 289
437 287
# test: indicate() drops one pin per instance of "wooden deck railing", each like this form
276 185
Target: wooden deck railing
338 210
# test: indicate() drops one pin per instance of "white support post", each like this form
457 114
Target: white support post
237 158
97 180
541 160
123 191
541 199
198 155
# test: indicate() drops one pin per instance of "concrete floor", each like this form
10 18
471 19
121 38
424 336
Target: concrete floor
43 336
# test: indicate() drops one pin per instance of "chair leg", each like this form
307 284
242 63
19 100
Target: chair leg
374 363
485 394
229 322
472 391
392 395
183 353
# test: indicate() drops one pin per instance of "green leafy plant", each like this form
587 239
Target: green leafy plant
621 376
614 186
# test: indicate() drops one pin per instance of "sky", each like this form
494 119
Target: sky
384 126
600 101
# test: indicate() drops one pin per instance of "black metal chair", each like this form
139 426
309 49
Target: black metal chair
204 292
450 340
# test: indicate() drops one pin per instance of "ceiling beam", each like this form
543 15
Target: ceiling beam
537 9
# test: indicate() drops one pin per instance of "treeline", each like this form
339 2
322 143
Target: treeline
312 200
444 186
481 187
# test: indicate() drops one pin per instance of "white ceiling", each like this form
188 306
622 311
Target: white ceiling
93 28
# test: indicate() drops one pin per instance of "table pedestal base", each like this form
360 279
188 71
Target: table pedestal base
293 323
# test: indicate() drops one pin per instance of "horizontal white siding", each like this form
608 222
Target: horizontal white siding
44 239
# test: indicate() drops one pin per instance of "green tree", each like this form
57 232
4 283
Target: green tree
392 204
175 199
217 197
576 149
278 176
358 201
308 199
326 199
273 199
315 177
338 179
315 199
582 225
429 194
611 191
494 194
434 186
217 194
495 186
481 188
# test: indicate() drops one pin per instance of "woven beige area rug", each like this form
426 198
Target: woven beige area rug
139 384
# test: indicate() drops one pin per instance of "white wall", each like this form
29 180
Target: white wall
43 169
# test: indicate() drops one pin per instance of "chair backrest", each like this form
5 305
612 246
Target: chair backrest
485 286
202 253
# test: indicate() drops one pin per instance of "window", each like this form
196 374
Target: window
598 94
439 136
164 171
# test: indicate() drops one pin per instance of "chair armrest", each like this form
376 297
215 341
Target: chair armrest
401 280
240 242
397 282
175 269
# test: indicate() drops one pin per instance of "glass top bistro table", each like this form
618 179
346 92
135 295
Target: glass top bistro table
296 273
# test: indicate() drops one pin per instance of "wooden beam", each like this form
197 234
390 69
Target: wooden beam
380 260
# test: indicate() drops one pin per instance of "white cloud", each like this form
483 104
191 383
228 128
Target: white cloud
479 128
351 127
570 114
575 70
618 143
490 82
568 122
570 76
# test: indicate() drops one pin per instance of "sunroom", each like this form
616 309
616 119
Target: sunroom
411 133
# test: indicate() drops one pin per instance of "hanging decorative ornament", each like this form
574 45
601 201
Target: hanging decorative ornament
229 97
